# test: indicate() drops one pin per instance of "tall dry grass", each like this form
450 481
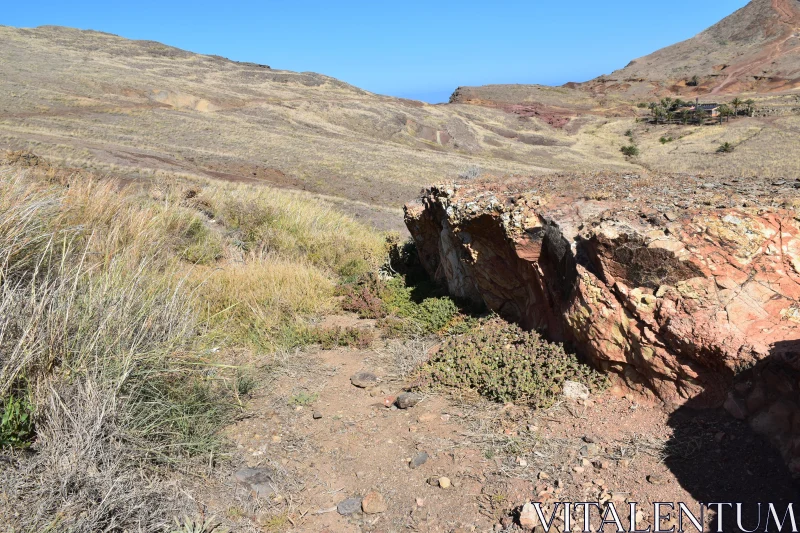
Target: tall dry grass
109 297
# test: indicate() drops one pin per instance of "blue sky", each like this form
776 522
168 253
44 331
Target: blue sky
410 48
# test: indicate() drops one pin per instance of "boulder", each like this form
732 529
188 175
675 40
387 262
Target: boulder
674 305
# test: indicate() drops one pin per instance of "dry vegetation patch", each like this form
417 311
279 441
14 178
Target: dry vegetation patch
111 299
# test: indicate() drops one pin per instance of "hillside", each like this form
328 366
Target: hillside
138 108
756 49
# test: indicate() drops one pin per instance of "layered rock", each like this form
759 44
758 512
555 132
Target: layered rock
674 283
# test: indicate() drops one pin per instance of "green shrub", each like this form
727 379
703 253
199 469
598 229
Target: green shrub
424 304
665 140
16 423
629 134
630 151
504 363
725 148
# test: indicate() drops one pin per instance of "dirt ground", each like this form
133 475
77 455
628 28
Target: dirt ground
318 440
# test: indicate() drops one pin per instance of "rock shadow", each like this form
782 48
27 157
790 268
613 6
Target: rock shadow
719 457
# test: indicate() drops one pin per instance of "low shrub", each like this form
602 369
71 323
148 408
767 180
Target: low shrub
16 423
330 338
503 363
665 140
725 148
630 151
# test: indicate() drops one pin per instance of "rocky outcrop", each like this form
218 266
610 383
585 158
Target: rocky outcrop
674 283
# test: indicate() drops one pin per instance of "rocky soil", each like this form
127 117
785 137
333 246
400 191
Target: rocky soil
315 452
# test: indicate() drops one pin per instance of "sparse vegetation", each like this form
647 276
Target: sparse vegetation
664 139
630 150
504 363
109 301
725 148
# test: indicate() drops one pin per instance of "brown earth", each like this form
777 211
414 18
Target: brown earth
496 457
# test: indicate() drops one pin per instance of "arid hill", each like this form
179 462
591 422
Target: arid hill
754 50
138 108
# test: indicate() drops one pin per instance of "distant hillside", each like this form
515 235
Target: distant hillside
757 48
754 50
144 109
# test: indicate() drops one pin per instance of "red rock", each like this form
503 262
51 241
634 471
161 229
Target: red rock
674 307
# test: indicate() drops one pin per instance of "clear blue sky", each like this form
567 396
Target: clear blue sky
408 48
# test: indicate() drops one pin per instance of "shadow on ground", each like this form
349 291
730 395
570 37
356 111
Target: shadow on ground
718 458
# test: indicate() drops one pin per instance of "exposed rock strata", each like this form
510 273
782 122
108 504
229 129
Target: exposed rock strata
674 283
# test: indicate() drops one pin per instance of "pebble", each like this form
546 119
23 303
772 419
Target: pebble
444 482
258 480
577 469
419 460
655 479
575 391
420 502
408 399
316 415
544 475
588 450
527 517
349 506
364 380
587 439
373 503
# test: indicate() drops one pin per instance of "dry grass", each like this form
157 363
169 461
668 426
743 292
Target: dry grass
109 298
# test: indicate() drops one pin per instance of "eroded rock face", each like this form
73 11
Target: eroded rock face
676 284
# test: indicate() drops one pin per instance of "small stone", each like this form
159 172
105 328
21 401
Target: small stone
544 475
639 516
408 399
373 503
587 439
605 465
444 482
349 506
625 463
588 450
655 479
420 502
363 380
433 481
316 415
670 216
419 460
527 517
258 480
578 469
735 407
575 391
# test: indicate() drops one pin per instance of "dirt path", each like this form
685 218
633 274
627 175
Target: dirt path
322 441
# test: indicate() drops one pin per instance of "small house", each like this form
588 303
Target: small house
711 109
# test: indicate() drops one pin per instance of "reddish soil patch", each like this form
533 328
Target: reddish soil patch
333 441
